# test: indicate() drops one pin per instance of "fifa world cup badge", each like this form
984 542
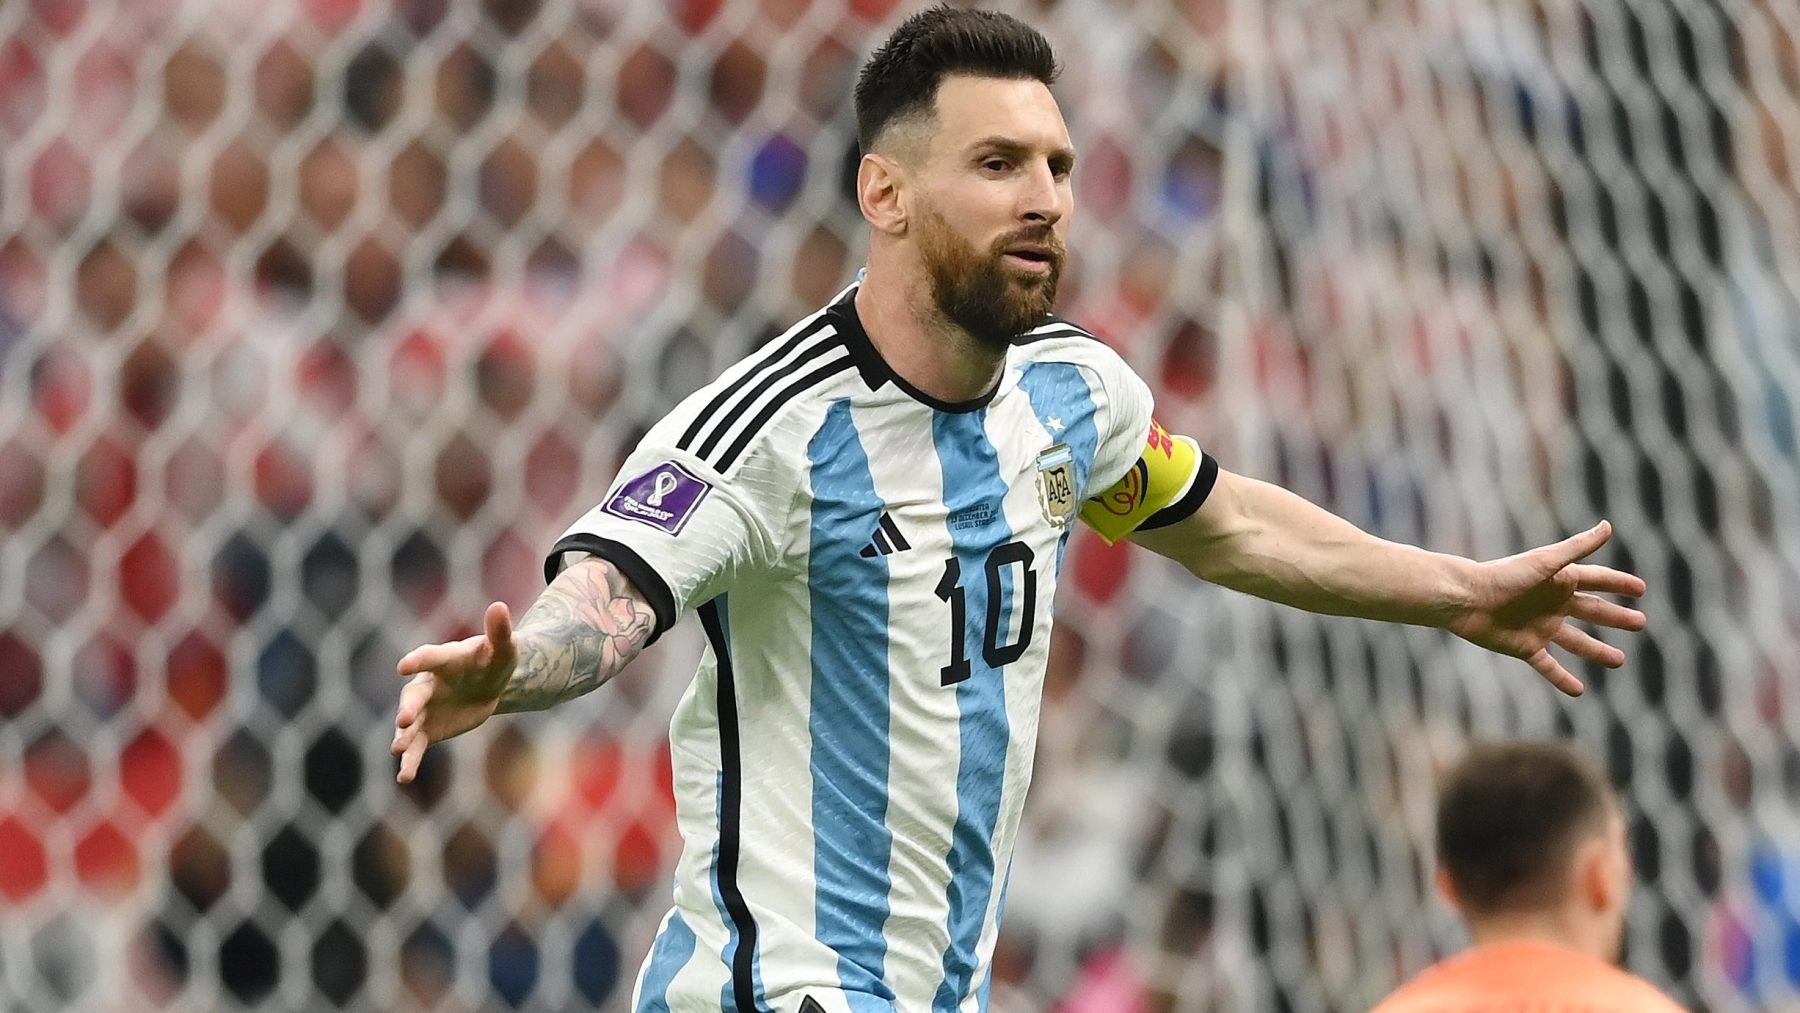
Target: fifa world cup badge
1056 484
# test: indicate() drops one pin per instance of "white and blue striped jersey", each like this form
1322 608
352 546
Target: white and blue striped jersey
874 571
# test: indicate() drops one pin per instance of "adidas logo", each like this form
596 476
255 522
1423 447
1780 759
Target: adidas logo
887 541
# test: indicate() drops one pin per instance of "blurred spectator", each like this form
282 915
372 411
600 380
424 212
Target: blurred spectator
1531 852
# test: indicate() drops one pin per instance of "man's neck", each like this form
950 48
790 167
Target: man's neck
927 351
1564 929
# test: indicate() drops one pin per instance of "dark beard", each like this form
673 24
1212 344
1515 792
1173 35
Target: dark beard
975 290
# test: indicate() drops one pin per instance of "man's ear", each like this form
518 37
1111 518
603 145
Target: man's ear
881 193
1447 889
1601 877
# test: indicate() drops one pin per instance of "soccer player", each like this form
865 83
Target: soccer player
869 516
1531 850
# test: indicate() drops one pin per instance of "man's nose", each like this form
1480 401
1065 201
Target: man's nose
1042 203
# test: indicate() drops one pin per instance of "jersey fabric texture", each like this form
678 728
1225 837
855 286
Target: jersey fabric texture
874 571
1524 975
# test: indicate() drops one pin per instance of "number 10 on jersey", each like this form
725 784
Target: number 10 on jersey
996 654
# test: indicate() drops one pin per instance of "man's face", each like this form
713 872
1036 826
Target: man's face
993 205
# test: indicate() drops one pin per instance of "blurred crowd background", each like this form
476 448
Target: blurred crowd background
319 320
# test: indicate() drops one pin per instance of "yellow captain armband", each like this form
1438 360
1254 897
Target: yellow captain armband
1169 481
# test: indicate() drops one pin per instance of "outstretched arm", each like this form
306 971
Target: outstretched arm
1261 539
581 631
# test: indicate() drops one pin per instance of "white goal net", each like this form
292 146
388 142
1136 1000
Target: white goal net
320 320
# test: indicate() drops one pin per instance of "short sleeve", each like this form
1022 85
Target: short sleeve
678 529
1153 478
1125 419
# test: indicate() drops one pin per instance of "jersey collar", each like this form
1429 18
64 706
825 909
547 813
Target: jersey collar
876 371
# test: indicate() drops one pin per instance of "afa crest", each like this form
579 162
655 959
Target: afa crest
1056 485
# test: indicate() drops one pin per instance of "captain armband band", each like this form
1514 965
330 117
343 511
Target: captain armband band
1167 483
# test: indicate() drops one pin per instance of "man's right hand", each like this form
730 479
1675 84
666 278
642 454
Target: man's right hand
454 688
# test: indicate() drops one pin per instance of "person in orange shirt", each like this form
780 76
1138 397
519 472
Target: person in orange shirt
1531 850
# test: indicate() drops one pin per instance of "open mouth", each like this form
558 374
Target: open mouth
1029 260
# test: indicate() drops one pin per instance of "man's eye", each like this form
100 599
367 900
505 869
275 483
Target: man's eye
996 165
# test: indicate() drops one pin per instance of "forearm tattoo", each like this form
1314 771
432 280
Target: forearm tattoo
583 629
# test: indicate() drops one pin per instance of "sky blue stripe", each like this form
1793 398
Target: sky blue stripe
727 998
864 1002
1059 392
674 946
972 477
852 845
987 983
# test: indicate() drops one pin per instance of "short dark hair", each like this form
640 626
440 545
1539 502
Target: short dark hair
1510 816
903 76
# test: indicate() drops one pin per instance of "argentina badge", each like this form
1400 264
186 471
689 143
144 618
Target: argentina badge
1056 484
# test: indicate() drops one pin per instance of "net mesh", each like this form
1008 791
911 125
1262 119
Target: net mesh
319 321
